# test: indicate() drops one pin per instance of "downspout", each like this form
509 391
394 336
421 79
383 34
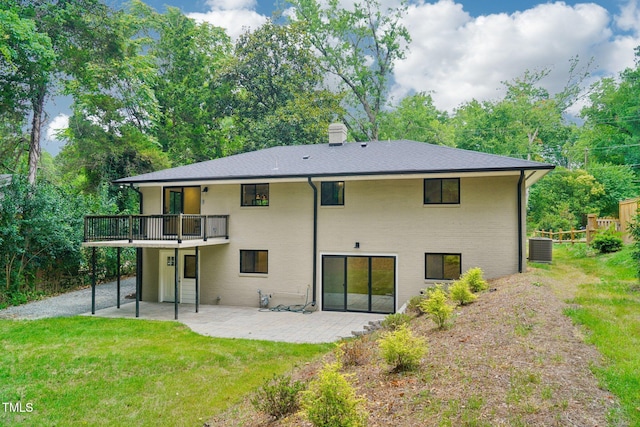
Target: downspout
315 240
520 233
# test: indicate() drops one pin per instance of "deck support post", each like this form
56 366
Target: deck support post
138 279
197 278
177 272
93 280
118 251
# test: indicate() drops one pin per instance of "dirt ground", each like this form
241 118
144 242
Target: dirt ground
512 358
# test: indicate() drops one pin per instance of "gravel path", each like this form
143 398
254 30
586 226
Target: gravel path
72 303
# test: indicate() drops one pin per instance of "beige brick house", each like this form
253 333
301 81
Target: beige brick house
340 226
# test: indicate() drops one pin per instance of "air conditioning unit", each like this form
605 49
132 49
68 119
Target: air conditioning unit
540 249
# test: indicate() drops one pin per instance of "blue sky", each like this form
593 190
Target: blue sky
464 49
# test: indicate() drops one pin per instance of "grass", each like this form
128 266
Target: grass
608 305
91 371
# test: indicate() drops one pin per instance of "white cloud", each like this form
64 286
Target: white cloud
459 57
59 123
235 16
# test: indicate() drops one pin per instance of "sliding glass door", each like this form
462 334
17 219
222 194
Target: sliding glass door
358 283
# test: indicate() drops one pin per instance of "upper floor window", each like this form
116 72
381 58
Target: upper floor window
442 191
332 193
255 195
442 266
252 261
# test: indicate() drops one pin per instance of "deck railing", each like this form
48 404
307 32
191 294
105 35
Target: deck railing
155 227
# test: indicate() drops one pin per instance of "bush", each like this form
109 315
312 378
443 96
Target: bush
607 241
355 352
436 306
461 293
402 350
278 397
474 279
331 401
395 320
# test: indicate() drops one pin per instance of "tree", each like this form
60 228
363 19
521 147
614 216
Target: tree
115 111
73 30
563 198
279 100
528 122
417 119
612 128
619 182
26 61
192 97
360 47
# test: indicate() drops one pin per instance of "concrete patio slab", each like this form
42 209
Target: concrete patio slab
252 323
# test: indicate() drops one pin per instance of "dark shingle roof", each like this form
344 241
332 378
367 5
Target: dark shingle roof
372 158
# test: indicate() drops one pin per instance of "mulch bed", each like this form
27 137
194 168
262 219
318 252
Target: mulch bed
510 358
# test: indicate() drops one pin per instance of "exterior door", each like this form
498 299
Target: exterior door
181 200
358 283
186 276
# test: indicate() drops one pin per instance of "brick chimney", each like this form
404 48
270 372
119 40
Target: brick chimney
337 134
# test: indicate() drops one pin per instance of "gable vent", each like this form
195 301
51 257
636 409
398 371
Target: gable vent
337 134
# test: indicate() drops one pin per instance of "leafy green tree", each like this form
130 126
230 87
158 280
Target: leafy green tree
60 41
360 48
26 61
528 122
619 183
192 97
417 119
563 198
279 100
111 131
612 128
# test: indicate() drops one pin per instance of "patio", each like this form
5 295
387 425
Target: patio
251 323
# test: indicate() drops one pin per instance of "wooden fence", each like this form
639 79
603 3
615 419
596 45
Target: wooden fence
628 211
561 236
594 224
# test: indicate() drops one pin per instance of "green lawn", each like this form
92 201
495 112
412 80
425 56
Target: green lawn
92 371
608 304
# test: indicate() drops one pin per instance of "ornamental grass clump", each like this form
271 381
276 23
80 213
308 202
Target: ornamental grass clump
402 350
330 401
436 306
395 320
278 397
460 292
355 352
475 280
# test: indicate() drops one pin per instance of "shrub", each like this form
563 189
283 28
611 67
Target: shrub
436 306
355 352
475 280
331 401
461 293
278 397
402 350
607 241
395 320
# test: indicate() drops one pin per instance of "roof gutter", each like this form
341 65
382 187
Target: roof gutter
136 180
520 223
315 240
